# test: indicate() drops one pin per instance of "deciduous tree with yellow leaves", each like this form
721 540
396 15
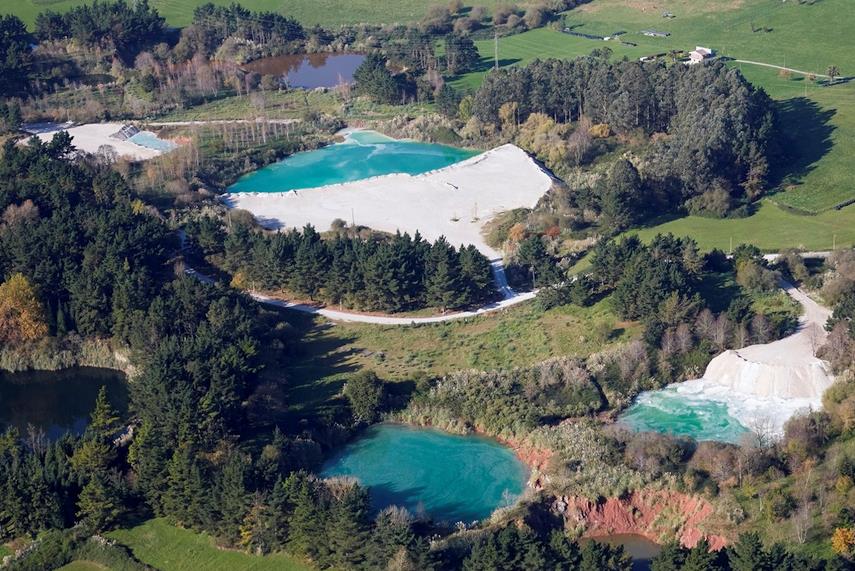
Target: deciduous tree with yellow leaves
22 317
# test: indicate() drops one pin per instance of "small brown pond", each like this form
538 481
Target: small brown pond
309 71
641 549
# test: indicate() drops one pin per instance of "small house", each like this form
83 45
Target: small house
655 33
699 54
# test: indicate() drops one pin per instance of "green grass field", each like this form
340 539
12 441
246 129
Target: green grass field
309 12
806 37
165 547
519 336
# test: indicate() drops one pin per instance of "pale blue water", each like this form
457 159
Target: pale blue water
362 155
451 478
681 414
151 141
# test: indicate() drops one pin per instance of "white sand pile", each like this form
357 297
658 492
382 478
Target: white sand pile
454 202
89 138
765 385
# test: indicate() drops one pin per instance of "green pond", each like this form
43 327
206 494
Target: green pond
451 478
57 401
682 410
363 154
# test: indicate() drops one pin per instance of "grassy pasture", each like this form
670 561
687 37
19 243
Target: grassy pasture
309 12
519 336
163 546
805 37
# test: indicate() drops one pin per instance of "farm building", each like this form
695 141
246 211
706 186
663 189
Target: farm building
655 33
699 54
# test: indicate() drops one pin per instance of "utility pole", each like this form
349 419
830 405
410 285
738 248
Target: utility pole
352 219
495 49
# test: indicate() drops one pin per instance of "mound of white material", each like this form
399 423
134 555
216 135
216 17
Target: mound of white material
765 385
784 369
454 202
89 138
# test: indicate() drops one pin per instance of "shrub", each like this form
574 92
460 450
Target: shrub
366 395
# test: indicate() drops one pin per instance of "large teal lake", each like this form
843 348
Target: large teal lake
673 411
363 154
451 478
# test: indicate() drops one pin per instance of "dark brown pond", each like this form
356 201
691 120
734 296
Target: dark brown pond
641 549
57 401
309 71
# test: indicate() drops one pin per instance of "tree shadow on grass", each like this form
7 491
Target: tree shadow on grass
806 129
303 384
487 63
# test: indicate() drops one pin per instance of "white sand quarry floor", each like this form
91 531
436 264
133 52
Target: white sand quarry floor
454 202
90 137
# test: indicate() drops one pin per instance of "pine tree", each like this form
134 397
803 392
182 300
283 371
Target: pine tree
98 505
347 529
149 458
747 553
104 420
564 553
392 531
601 557
187 497
442 286
308 520
700 558
232 497
671 558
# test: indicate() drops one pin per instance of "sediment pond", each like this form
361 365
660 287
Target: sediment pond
57 401
680 411
451 478
363 154
309 71
641 549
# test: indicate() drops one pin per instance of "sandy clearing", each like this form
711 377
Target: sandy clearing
90 137
454 202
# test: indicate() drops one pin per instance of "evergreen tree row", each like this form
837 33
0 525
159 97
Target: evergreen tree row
393 274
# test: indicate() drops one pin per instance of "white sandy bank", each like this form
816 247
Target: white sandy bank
89 138
765 385
471 191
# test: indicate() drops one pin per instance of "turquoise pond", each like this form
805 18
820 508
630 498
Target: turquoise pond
363 154
672 411
451 478
151 141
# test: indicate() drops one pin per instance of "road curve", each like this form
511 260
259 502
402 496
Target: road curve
510 298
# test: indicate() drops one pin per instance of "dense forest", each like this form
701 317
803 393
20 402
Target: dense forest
712 133
391 274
